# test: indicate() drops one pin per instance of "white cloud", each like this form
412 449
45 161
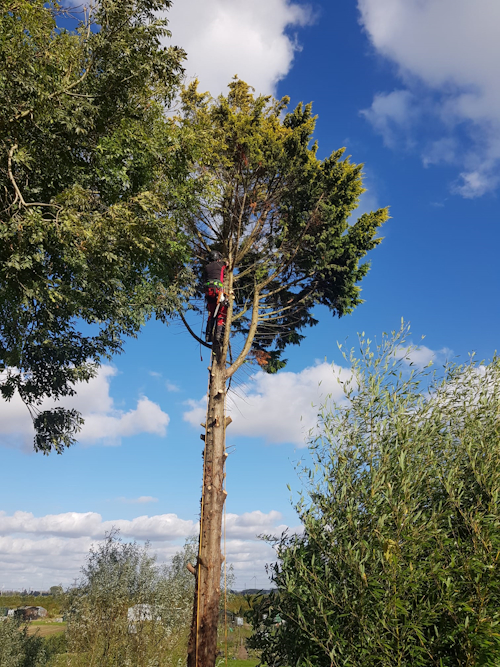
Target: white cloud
104 423
392 114
422 356
170 386
446 52
284 408
251 524
227 37
281 407
78 524
38 552
148 417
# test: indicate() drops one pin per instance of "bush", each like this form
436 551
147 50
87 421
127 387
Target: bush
117 577
399 560
17 647
55 645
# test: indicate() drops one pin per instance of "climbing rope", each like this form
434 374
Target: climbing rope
225 559
201 527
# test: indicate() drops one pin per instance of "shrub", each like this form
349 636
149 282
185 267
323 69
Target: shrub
17 647
119 576
399 560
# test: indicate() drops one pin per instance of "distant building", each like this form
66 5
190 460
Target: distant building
139 613
29 613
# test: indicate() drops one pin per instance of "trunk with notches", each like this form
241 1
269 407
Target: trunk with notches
202 647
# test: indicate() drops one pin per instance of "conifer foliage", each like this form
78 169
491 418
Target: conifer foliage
279 214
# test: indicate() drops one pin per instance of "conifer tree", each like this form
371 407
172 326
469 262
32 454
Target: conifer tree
281 218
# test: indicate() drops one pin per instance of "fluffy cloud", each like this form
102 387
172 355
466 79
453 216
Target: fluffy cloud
279 408
422 356
227 37
104 423
284 408
251 524
446 52
38 552
393 115
79 524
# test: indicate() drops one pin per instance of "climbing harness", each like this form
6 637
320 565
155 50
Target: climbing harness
212 320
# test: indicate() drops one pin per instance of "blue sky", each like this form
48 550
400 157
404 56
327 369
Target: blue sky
409 88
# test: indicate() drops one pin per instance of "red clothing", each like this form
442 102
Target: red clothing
212 298
215 281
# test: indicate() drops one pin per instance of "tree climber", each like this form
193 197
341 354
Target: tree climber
217 302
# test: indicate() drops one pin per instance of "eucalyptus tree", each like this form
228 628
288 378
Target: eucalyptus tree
281 217
89 168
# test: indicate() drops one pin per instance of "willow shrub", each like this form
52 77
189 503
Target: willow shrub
18 648
117 577
399 560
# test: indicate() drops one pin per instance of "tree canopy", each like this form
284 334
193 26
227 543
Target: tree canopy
279 215
89 169
398 561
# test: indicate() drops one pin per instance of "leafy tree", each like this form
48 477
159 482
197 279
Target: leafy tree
282 218
56 591
89 169
398 562
119 577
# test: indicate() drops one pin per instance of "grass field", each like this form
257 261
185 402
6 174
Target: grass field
65 660
46 629
251 662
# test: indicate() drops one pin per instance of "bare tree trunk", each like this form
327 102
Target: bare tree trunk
202 647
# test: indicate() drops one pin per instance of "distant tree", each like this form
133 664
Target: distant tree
89 169
398 561
56 591
281 217
117 577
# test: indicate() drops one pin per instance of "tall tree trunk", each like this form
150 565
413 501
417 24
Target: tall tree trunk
202 647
